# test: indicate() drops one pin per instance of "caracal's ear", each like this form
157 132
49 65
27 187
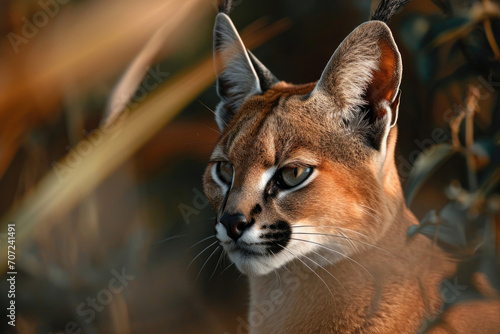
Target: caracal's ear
362 80
239 73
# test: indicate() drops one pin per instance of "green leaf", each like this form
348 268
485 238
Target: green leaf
431 218
425 166
453 229
449 234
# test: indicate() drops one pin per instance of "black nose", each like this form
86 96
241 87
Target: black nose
235 224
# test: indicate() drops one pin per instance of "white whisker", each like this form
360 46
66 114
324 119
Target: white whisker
343 237
326 285
374 213
206 261
213 112
327 260
277 273
199 242
217 264
354 247
337 252
201 253
209 127
172 237
337 227
369 208
224 270
335 278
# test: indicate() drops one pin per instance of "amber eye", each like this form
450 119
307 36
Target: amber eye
290 177
225 172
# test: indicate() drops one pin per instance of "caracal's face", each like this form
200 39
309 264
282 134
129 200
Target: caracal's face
297 173
287 182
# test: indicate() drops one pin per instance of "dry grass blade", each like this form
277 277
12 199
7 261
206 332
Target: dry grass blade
74 51
55 197
488 30
127 86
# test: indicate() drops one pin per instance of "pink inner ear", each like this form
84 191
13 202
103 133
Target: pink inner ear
384 80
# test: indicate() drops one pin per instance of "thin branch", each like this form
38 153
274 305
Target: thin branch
471 108
455 128
489 34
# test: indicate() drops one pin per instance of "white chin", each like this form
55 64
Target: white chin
252 265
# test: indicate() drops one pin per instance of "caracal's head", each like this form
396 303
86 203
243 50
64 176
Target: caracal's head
304 171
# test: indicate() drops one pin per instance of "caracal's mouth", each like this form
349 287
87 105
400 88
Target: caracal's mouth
256 251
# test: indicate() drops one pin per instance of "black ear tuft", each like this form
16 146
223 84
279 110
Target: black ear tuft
386 10
225 6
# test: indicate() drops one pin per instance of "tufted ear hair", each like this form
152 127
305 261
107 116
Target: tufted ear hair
362 80
239 73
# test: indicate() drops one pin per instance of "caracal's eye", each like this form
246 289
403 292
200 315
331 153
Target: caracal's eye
290 177
225 172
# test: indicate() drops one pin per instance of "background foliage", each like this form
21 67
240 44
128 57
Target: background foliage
457 55
133 199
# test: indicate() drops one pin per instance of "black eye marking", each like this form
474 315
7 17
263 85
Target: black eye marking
256 210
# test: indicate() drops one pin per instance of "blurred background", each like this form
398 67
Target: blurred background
111 222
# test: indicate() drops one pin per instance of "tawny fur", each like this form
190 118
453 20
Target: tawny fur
368 276
403 291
